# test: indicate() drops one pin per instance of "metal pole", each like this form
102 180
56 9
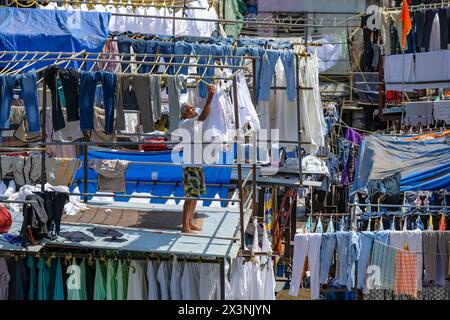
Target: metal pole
255 191
299 120
85 155
44 132
222 279
254 81
239 165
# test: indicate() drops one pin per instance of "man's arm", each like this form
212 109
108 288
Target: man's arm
207 108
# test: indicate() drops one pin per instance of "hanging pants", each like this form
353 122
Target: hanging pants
88 86
430 244
328 246
306 245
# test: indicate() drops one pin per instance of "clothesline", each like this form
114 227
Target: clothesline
412 8
116 255
173 4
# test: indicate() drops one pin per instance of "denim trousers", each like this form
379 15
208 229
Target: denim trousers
183 48
253 52
327 248
27 82
209 50
269 60
365 241
88 85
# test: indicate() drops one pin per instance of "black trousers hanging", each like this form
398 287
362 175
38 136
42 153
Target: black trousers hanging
57 113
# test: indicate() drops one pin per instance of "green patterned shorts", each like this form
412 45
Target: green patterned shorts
194 182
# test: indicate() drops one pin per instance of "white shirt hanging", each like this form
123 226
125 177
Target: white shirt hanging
208 281
247 111
175 279
268 276
137 285
190 282
153 293
239 280
163 280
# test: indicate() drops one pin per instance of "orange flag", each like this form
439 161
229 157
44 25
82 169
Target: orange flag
405 18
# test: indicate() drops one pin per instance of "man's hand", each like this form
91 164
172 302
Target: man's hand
211 90
207 107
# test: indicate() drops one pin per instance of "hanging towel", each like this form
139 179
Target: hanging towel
384 257
111 174
406 273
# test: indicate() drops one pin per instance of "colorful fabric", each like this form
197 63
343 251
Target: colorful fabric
194 182
406 273
442 223
384 257
430 223
406 22
309 226
268 210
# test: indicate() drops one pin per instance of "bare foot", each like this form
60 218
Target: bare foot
186 230
194 227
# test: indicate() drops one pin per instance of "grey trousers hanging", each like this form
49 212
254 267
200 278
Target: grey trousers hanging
120 116
155 95
174 85
140 83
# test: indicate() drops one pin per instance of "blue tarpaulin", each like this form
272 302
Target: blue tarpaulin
423 165
169 174
51 31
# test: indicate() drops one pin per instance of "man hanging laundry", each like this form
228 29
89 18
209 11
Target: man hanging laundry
193 171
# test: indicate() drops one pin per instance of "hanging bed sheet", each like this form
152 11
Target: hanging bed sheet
51 31
423 165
